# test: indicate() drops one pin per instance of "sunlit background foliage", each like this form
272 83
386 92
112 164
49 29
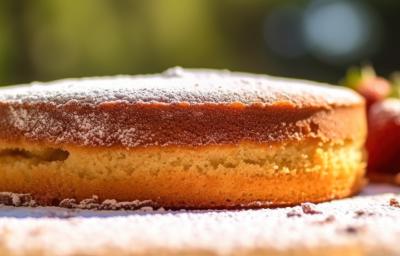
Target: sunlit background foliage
51 39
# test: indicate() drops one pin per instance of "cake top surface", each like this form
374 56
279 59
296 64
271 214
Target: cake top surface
178 85
366 223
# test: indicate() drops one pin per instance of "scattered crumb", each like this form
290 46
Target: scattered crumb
393 202
68 203
15 199
354 229
309 208
93 203
93 200
362 213
5 198
293 213
89 203
109 204
327 220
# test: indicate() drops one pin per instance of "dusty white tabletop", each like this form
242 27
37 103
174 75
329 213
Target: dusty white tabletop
365 224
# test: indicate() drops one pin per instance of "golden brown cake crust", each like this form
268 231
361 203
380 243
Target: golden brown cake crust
179 108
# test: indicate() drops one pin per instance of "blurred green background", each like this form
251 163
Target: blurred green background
50 39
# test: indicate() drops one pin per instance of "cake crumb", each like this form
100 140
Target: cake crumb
5 198
327 220
68 203
93 203
89 203
353 230
109 204
293 213
362 213
309 208
15 199
393 202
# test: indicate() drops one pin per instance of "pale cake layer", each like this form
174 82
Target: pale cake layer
217 176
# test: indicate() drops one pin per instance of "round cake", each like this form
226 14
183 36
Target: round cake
183 139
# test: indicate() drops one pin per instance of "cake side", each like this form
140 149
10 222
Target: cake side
246 175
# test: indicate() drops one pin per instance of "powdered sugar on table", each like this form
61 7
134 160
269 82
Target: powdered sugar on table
367 222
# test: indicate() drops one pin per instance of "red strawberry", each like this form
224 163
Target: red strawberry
365 82
383 143
373 89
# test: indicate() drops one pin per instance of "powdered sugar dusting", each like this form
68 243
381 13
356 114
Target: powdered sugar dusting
337 224
180 85
101 111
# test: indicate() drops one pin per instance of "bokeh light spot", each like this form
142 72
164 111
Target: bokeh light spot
339 31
